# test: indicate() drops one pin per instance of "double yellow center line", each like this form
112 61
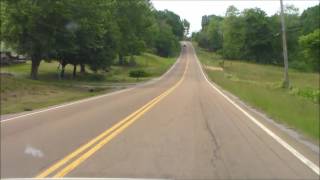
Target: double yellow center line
78 156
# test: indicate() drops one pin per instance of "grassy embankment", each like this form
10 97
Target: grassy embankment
19 93
260 86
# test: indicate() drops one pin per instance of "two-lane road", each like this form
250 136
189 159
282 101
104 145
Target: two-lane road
179 126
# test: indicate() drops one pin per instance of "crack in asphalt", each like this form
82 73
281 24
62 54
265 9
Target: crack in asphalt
216 146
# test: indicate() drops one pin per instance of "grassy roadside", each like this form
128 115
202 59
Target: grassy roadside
260 86
19 93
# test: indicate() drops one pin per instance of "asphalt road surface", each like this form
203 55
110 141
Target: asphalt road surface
179 126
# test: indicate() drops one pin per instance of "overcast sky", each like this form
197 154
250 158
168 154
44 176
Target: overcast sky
193 10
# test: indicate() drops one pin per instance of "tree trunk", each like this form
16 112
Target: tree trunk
62 70
35 62
74 71
286 83
82 68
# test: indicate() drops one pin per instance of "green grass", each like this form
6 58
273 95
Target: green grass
152 64
260 86
20 93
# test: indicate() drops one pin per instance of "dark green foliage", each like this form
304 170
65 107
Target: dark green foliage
233 34
29 27
95 77
293 28
253 36
166 43
310 19
170 29
88 33
257 42
173 20
211 35
310 45
138 73
133 20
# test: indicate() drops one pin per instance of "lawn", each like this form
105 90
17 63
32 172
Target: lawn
20 93
260 86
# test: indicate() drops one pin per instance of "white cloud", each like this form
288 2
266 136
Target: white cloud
193 10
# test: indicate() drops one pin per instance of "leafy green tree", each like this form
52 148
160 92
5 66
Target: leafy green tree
173 20
233 34
310 44
97 35
89 36
133 22
293 32
214 32
257 42
166 43
30 27
210 36
310 19
186 26
252 35
203 39
204 21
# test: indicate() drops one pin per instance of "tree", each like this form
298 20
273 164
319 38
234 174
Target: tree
210 36
214 33
310 44
133 21
204 22
167 35
89 36
97 35
166 43
257 42
233 34
252 35
293 27
186 26
173 20
310 19
92 33
29 28
203 39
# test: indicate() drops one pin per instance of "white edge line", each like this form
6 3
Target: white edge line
96 97
296 153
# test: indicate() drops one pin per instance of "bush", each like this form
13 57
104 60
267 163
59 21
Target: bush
310 44
93 77
138 73
300 65
312 94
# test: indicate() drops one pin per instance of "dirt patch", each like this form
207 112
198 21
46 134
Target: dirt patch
213 68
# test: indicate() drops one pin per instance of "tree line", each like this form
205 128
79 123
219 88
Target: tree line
95 33
256 37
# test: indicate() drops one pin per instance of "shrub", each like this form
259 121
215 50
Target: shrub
138 73
301 66
311 94
94 77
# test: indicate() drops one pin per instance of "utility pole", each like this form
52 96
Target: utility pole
284 46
